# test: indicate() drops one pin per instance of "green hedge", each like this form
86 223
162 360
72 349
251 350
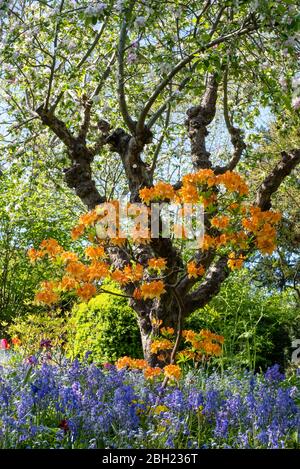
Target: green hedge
107 327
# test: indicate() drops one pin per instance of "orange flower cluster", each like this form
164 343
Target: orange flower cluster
95 252
194 271
77 231
48 247
152 290
86 291
235 261
261 224
128 274
233 182
158 263
188 193
220 222
167 331
161 344
132 363
47 295
97 270
16 342
160 191
68 256
152 372
203 343
172 372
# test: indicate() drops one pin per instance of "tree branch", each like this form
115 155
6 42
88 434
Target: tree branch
271 183
215 276
236 134
181 65
121 78
54 57
199 117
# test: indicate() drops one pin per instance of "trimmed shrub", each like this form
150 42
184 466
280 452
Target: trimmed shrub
107 327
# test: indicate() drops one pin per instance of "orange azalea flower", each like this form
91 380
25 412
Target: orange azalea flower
188 354
117 241
150 373
94 252
138 363
205 176
234 206
97 270
188 193
147 194
233 182
158 263
167 331
77 231
68 283
156 322
152 289
172 371
163 190
88 218
161 344
119 276
51 247
86 291
46 297
240 240
69 256
137 294
34 255
133 273
16 341
133 363
188 335
265 239
220 222
77 269
194 271
207 242
122 362
210 335
207 201
235 261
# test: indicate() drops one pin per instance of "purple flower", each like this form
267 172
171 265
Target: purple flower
45 343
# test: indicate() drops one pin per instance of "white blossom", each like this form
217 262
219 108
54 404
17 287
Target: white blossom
296 103
140 21
100 7
119 5
132 57
283 83
165 68
96 99
296 82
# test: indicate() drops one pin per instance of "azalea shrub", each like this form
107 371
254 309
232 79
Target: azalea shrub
77 405
236 228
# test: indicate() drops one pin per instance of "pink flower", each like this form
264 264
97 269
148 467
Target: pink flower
4 345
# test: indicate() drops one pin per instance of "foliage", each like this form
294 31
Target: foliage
28 213
258 325
76 405
57 327
107 327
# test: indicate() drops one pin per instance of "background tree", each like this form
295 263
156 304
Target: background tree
106 81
